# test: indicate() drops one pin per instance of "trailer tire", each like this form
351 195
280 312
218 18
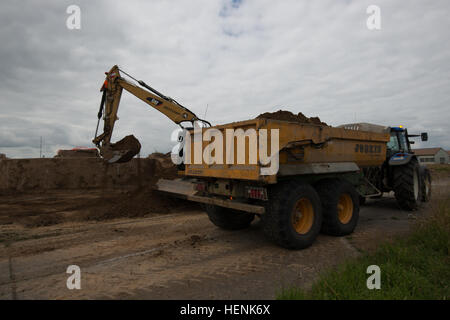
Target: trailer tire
340 206
362 200
293 215
407 185
228 219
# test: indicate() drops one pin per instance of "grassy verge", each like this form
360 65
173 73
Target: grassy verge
440 171
415 267
440 167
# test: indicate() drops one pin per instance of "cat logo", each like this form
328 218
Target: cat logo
154 101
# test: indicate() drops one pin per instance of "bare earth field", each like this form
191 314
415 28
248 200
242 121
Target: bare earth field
175 253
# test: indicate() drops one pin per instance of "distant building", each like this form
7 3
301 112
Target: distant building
432 155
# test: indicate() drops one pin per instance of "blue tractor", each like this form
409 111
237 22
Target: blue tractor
401 172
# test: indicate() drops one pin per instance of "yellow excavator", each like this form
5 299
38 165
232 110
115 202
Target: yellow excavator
125 149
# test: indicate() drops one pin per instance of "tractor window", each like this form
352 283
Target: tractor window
393 145
403 143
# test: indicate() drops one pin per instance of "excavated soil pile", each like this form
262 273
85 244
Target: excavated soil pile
141 201
167 169
37 175
289 116
135 203
50 191
54 207
80 153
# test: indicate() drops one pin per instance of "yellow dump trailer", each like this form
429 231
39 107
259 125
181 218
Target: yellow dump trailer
302 148
298 178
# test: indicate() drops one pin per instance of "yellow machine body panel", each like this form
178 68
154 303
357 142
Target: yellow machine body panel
299 145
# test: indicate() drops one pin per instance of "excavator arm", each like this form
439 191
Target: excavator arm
125 149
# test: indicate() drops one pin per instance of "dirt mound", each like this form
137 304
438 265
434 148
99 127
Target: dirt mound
141 201
133 204
24 175
60 206
107 188
167 169
78 153
289 116
159 155
83 189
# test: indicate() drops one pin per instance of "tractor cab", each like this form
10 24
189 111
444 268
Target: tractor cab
399 146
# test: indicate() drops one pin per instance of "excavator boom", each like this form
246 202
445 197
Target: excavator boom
125 149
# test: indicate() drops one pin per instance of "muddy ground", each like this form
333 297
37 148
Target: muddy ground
169 252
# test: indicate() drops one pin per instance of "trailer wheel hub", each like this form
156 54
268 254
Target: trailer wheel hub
345 208
303 216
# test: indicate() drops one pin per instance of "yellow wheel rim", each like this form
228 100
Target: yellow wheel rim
345 208
303 216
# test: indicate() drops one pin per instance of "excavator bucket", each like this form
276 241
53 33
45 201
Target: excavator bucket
122 151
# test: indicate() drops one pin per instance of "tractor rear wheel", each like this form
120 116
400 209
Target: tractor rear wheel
293 216
229 219
425 178
340 207
407 185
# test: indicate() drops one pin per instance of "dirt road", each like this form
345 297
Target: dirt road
180 255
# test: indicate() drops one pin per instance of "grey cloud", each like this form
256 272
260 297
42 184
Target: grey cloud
241 58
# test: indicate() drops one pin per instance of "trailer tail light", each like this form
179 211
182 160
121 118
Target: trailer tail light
256 193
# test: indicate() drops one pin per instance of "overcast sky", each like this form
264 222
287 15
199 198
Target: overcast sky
241 58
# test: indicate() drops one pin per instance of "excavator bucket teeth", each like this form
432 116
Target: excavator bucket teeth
122 151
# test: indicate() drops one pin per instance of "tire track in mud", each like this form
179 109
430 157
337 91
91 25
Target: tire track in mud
64 236
105 237
12 279
205 257
181 255
159 254
207 264
222 272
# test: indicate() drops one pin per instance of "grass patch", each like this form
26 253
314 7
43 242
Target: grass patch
440 167
415 267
